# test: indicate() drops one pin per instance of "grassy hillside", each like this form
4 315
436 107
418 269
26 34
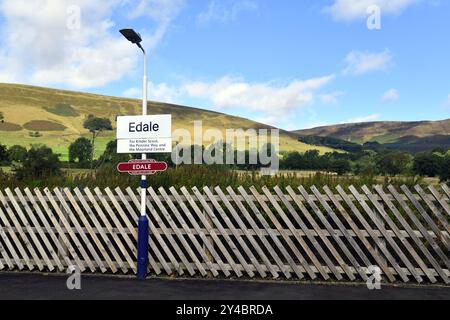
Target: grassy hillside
58 116
385 132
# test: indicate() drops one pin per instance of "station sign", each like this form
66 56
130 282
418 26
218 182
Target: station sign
144 134
142 167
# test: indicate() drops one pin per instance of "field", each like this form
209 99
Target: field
58 116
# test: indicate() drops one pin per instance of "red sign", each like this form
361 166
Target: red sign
142 167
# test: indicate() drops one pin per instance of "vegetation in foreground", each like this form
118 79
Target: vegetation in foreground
40 167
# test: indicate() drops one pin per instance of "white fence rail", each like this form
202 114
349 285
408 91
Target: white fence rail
287 234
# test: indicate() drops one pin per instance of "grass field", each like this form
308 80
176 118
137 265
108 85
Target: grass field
59 115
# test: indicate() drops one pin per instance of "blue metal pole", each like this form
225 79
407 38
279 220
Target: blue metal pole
143 241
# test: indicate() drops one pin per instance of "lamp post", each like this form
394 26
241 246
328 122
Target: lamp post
143 226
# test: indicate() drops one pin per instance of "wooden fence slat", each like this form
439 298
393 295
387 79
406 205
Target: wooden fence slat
74 221
347 236
129 236
427 218
3 252
217 231
434 209
152 245
97 225
211 231
70 232
251 238
386 236
40 250
396 230
231 227
176 265
176 248
369 229
104 219
244 228
59 229
79 225
178 234
13 235
202 235
286 237
274 237
41 232
228 239
358 232
115 222
446 190
191 235
419 243
303 226
330 229
420 226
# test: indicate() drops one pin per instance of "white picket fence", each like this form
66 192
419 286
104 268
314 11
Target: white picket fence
279 234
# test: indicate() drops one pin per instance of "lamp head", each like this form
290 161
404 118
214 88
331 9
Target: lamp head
131 35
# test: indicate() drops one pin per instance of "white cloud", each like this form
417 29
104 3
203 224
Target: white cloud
224 11
369 118
39 48
163 12
132 93
268 98
349 10
390 96
358 63
331 98
161 92
271 102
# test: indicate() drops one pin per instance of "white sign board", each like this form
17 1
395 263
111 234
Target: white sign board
143 145
144 134
136 127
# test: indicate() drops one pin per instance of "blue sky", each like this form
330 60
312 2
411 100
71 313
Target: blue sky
293 64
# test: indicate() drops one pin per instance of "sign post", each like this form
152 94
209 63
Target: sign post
143 134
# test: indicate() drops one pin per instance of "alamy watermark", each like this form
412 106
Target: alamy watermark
374 17
74 280
73 21
374 281
233 147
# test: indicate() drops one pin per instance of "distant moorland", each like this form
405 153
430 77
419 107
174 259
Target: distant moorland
405 136
34 115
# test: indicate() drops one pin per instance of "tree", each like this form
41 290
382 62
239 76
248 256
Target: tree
427 164
2 117
111 155
445 169
366 166
292 161
340 166
96 126
17 153
40 162
3 154
80 150
393 163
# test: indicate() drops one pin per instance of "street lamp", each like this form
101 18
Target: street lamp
143 225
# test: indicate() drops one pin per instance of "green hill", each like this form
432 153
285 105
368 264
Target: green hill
407 136
58 116
382 132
